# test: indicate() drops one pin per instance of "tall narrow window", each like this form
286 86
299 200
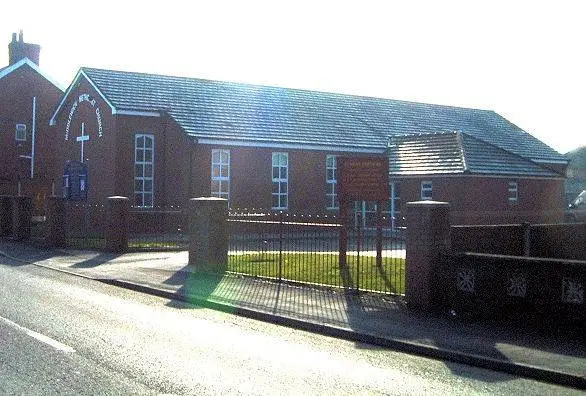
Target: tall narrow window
66 187
144 161
220 173
280 180
426 190
513 193
395 203
331 183
20 134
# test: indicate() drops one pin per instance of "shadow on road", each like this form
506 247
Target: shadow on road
18 253
385 316
376 314
100 259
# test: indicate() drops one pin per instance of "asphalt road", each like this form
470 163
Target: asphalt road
67 335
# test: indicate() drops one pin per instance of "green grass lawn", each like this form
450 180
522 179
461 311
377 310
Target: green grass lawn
100 243
137 244
324 269
86 243
305 267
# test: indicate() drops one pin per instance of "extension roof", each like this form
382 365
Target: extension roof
456 153
233 113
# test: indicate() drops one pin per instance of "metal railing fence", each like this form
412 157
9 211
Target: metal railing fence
305 249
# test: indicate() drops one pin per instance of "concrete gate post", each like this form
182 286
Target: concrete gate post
5 215
428 236
21 217
116 230
55 221
208 233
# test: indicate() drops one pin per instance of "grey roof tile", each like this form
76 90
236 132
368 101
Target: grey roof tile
225 110
456 153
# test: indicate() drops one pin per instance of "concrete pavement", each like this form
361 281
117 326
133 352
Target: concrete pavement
555 355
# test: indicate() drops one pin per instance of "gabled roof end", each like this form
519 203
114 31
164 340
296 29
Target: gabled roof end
73 85
26 61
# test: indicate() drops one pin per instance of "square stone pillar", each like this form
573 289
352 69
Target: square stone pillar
21 217
116 231
428 237
208 233
55 221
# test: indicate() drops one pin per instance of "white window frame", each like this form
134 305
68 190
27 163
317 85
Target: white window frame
281 181
220 174
366 211
20 133
332 183
395 203
427 190
143 177
513 192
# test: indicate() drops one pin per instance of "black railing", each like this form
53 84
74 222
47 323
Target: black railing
305 249
148 229
84 225
157 229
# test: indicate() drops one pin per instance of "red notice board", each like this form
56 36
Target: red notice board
363 179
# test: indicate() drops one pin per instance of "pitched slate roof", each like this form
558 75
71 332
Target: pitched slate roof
456 153
250 113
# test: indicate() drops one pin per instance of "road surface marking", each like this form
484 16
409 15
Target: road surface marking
40 337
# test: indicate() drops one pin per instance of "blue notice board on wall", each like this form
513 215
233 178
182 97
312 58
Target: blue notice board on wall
75 181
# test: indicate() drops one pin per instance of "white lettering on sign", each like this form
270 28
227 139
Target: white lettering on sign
92 102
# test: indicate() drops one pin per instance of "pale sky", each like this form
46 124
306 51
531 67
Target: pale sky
523 59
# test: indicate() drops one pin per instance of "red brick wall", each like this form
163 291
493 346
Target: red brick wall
99 152
171 160
110 158
17 90
251 180
182 171
484 200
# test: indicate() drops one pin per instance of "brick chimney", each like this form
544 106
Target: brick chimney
18 50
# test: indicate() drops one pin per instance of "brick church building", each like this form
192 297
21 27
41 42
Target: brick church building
161 140
27 100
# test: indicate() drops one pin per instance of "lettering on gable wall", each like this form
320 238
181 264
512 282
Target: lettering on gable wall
92 102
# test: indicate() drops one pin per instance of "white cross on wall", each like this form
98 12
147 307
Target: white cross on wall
82 138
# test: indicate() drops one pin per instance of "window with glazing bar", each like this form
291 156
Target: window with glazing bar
280 176
144 161
20 134
426 190
513 192
220 173
331 183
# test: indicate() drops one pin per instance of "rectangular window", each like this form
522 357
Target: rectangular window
426 191
280 180
331 183
220 173
395 203
513 192
20 132
365 213
144 162
66 187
